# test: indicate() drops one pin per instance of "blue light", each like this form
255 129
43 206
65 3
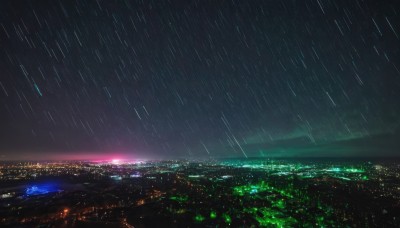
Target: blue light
253 191
40 189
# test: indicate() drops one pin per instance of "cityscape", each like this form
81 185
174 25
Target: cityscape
200 113
254 192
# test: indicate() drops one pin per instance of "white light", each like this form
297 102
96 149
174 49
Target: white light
115 161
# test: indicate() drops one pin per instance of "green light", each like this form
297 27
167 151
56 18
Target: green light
213 214
334 169
345 170
199 218
352 170
280 204
251 189
269 217
227 218
180 199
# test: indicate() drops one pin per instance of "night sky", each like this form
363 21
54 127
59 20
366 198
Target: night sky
198 79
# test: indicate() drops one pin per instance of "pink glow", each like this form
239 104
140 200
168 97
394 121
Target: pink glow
112 157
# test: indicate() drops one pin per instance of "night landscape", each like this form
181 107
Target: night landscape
119 113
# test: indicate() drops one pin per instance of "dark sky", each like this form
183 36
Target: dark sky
164 79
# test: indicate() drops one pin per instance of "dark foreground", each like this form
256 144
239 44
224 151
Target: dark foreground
245 193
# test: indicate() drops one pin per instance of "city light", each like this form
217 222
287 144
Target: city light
115 161
251 192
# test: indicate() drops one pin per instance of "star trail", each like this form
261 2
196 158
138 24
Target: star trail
199 79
